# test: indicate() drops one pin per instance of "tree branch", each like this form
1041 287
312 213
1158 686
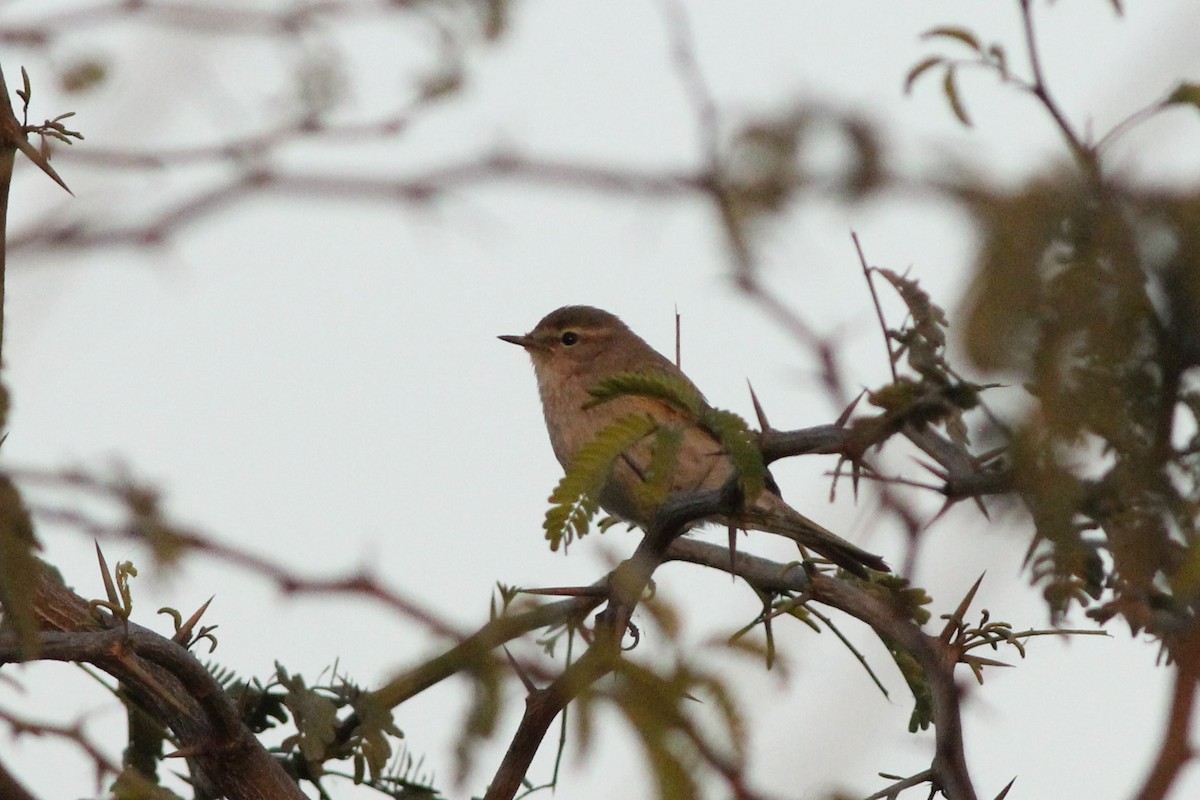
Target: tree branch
1177 749
949 762
165 680
626 584
11 788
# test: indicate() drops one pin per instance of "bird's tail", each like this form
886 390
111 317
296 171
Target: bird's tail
772 514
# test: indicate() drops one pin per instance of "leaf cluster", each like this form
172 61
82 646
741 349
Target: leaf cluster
990 57
576 498
319 739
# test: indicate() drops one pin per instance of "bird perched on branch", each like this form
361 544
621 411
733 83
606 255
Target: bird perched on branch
577 349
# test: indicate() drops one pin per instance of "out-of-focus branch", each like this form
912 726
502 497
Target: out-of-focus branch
229 19
11 788
361 583
468 652
1177 750
53 231
490 636
73 733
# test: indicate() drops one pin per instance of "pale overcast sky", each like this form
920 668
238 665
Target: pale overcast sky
320 381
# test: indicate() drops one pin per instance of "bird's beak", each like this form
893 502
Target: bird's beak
524 341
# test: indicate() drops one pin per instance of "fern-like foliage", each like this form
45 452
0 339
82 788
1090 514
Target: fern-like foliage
372 738
664 457
674 390
575 499
740 443
659 708
735 435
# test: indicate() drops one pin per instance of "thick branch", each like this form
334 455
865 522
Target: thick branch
11 788
165 680
964 477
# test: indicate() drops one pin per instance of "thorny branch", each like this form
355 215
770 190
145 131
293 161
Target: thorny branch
163 678
962 475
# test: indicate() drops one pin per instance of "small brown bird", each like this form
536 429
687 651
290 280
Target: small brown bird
576 347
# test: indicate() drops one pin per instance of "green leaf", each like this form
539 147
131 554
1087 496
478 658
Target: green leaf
740 443
950 87
663 459
674 390
19 567
958 34
919 69
1184 94
375 726
315 717
576 498
918 684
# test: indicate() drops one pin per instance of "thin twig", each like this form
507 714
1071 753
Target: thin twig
883 329
1082 153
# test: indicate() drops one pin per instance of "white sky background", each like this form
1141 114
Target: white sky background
320 382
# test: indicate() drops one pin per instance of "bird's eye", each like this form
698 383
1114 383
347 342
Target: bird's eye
569 338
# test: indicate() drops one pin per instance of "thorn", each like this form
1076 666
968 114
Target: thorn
1033 543
935 469
758 410
983 459
109 588
678 340
525 679
568 591
186 752
844 417
184 634
983 662
946 506
1004 792
37 158
960 612
983 510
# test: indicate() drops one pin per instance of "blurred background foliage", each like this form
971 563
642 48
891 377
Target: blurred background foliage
1084 291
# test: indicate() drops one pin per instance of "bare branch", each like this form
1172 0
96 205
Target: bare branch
1177 749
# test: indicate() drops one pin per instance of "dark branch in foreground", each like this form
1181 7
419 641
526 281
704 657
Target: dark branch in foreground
167 681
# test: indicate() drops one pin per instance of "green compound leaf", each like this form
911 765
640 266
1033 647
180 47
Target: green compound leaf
674 390
659 474
576 498
375 729
739 442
